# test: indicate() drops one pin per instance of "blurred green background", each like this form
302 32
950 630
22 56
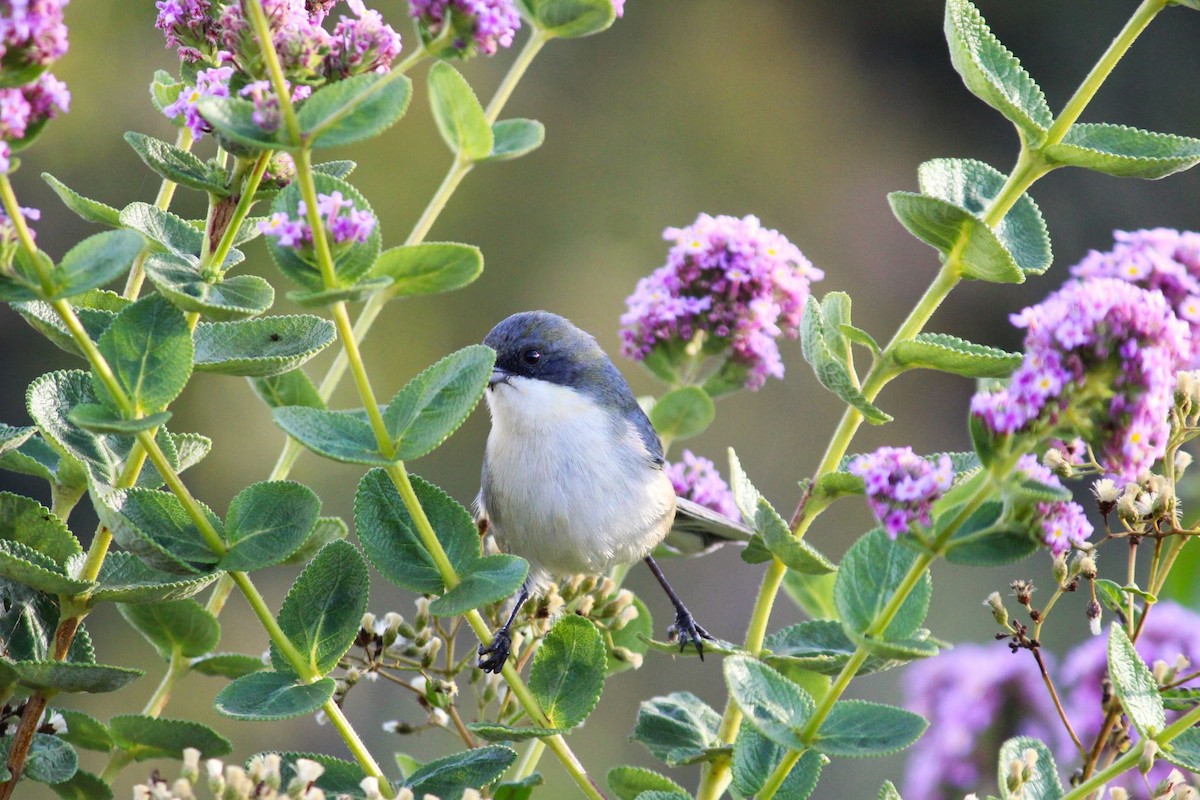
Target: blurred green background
803 113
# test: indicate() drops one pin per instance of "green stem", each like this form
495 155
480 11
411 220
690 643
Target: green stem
262 32
779 775
240 212
166 191
528 763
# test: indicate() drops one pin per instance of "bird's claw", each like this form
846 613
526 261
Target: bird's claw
688 631
493 656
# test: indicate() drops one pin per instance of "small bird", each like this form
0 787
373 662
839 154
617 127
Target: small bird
573 478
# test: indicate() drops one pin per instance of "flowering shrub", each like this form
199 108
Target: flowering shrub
1104 392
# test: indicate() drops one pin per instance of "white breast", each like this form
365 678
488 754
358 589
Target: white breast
572 487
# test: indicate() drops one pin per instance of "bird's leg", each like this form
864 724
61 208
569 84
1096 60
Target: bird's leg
493 656
685 625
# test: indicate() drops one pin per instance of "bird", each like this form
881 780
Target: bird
573 477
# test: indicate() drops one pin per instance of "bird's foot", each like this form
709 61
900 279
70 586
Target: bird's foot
493 656
688 631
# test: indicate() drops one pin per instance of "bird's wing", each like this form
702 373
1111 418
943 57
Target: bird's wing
698 529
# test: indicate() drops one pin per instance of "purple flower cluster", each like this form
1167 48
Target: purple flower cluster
697 479
221 36
474 25
345 223
1109 349
737 285
8 232
32 35
213 82
1063 522
1163 259
901 486
968 694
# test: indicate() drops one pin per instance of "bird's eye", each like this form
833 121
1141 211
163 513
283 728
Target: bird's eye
531 356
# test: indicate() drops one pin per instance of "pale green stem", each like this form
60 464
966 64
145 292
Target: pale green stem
779 775
166 190
528 763
240 212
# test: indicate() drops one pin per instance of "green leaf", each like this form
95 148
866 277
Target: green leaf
428 268
683 413
12 438
677 729
568 671
25 521
513 138
628 782
350 260
871 572
826 349
459 116
324 531
98 418
389 538
774 705
1134 685
149 349
176 165
260 347
448 777
1043 784
27 566
293 388
568 19
83 786
124 578
856 728
154 526
332 434
497 732
633 637
323 610
755 757
266 523
143 737
365 288
813 593
1185 750
180 281
166 230
233 118
85 731
1114 597
488 580
943 226
66 676
822 646
177 624
95 261
339 778
432 405
888 792
354 109
50 759
227 665
971 186
795 553
90 210
986 537
947 353
263 696
1124 152
164 90
992 73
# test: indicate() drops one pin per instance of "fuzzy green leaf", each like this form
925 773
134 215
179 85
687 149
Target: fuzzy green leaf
49 760
88 209
1125 152
11 438
428 268
389 538
324 531
755 757
432 405
323 610
459 116
826 350
143 737
992 73
869 576
822 646
513 138
1043 784
683 413
95 261
1133 684
233 119
354 109
98 418
266 523
629 782
154 526
448 777
677 729
332 434
85 731
272 696
490 579
292 388
227 665
813 594
985 538
125 578
795 553
176 165
25 521
1185 750
365 288
149 349
83 786
774 705
569 19
27 566
943 225
260 347
856 728
180 281
568 671
165 230
65 676
947 353
178 624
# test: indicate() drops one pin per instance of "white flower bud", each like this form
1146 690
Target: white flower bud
1149 754
586 604
308 770
141 792
368 622
370 787
1183 460
182 789
439 717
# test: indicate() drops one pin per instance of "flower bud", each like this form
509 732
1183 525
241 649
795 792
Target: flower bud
1054 461
1093 617
1183 460
586 604
627 656
1106 493
1149 754
1084 566
1059 569
191 764
999 612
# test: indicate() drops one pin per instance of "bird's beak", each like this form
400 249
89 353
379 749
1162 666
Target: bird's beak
498 376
